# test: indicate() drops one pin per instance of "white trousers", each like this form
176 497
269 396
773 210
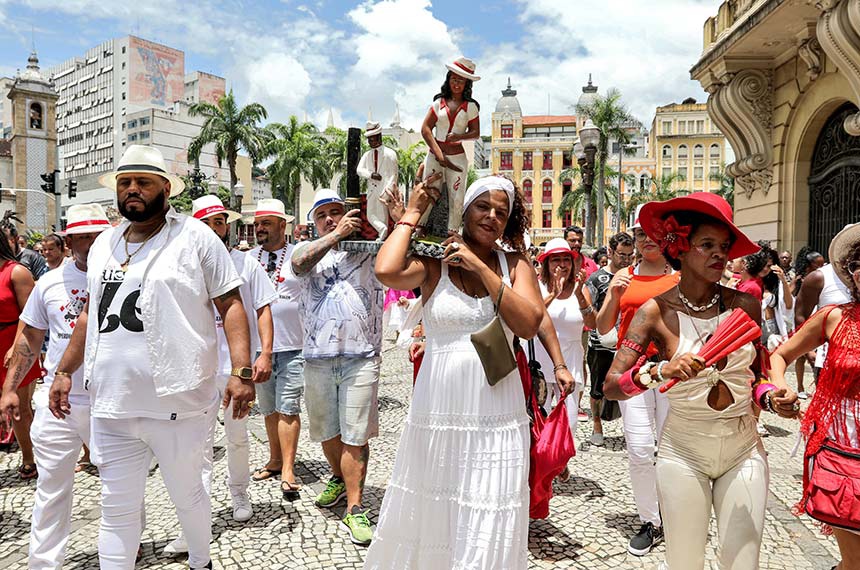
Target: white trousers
123 449
456 183
238 469
643 417
56 447
377 212
719 465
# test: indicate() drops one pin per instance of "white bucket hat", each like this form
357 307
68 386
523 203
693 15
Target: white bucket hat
372 128
86 219
142 159
210 205
271 207
464 67
322 197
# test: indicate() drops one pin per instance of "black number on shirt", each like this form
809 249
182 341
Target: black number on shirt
128 314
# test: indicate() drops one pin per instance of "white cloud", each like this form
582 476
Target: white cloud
276 80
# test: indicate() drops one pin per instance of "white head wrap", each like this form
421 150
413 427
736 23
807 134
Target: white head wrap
485 184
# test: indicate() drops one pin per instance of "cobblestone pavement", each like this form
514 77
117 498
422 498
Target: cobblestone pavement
593 514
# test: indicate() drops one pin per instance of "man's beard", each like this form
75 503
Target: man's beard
225 238
150 209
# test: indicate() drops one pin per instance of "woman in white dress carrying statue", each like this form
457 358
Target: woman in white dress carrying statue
458 496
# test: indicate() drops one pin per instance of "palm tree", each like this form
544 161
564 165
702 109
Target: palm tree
298 152
230 128
726 188
610 116
660 190
408 161
578 200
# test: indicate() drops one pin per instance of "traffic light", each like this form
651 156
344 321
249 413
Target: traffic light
50 185
73 188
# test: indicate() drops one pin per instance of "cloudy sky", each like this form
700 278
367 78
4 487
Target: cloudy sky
300 57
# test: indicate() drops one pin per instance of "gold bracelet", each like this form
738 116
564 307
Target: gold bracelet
62 373
559 367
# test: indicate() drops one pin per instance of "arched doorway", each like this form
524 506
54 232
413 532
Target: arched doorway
834 180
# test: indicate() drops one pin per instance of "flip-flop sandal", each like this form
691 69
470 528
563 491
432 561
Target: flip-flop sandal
264 473
28 471
82 466
291 491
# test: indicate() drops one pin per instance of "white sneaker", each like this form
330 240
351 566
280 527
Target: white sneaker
177 545
242 509
802 395
596 438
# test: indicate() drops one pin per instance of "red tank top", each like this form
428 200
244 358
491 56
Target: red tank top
642 288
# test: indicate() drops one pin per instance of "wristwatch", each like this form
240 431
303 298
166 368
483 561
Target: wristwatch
244 373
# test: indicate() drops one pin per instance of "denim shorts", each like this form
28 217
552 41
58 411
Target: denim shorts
342 399
282 392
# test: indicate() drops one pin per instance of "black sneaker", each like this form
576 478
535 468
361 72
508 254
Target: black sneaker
642 543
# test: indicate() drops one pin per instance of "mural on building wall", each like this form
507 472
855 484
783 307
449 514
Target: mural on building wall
156 74
210 88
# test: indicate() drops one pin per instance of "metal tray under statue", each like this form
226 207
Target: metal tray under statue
436 229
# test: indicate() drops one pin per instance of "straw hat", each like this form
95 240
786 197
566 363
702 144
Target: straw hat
85 219
372 128
271 207
142 159
841 248
210 205
464 67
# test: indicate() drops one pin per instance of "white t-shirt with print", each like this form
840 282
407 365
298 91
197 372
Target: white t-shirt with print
121 384
285 311
341 307
256 292
54 306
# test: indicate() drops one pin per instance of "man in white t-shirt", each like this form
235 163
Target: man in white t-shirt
150 356
257 295
341 307
280 397
54 306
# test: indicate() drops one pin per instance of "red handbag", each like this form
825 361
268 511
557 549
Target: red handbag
832 483
551 445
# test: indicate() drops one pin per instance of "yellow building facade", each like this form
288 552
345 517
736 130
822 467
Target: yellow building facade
783 80
533 151
685 140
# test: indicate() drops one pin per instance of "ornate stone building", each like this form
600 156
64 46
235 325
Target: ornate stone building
783 78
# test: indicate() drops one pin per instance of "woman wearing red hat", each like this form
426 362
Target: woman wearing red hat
710 456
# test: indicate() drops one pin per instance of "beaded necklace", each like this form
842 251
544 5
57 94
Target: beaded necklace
276 275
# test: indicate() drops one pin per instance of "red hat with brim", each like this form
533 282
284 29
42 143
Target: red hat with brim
706 203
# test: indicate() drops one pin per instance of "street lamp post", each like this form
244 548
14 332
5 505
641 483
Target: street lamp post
236 205
589 137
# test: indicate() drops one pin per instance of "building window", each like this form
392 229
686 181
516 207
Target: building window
698 173
644 182
132 123
123 96
566 161
144 121
700 127
123 49
546 222
527 191
132 137
667 172
667 152
547 160
715 170
682 152
547 191
123 65
144 135
715 152
682 127
527 161
698 151
667 127
566 187
566 220
35 116
507 162
507 131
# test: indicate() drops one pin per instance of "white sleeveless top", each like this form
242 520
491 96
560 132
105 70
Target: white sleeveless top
567 319
690 399
834 291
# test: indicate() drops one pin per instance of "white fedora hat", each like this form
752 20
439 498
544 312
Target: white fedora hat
271 207
86 219
142 159
464 67
210 205
322 197
372 128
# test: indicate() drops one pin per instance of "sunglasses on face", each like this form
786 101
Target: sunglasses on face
853 267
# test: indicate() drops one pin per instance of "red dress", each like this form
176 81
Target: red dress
9 313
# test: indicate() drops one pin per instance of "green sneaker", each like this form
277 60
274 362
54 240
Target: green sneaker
357 525
334 492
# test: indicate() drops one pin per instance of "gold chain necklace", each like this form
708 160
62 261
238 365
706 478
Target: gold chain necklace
128 256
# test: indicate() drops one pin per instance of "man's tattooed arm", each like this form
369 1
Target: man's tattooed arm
25 353
307 256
